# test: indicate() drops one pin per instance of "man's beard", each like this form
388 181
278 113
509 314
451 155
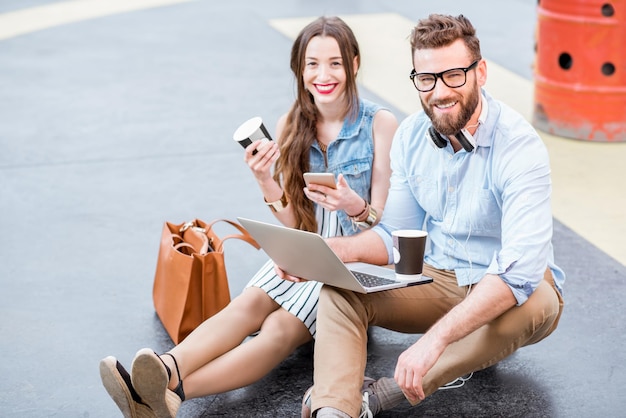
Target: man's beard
450 124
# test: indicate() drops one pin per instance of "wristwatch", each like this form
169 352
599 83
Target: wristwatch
278 205
366 223
372 215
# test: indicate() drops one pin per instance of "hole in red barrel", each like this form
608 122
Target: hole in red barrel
565 61
608 68
607 10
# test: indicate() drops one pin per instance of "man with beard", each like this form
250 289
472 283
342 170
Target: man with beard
475 175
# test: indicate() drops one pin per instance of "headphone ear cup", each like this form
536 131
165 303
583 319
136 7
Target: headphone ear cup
436 138
466 140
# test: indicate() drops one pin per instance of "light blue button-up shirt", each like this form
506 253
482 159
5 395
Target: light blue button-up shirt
486 211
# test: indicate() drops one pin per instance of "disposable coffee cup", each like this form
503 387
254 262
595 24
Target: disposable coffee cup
250 131
408 253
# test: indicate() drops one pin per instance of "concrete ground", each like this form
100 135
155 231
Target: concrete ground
116 116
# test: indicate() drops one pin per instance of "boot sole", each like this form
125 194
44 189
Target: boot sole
150 381
119 392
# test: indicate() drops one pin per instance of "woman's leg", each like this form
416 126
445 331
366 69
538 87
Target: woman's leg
281 333
221 333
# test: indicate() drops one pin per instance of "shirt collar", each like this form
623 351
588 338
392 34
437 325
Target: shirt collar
483 134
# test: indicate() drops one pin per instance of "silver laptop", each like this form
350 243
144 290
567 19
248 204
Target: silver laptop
306 255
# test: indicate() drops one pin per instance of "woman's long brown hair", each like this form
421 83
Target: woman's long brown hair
300 129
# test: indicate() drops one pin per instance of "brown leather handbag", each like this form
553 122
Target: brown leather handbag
190 283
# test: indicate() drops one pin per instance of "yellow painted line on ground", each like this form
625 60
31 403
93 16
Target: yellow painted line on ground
32 19
589 195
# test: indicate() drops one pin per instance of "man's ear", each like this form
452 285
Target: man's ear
481 72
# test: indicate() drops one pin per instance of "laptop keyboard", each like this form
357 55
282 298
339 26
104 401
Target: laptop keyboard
368 280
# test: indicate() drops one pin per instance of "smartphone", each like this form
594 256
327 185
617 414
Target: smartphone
324 179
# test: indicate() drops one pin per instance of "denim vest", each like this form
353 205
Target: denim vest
350 154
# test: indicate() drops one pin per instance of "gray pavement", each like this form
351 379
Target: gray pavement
110 126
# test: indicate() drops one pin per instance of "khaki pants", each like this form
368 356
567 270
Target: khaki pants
344 316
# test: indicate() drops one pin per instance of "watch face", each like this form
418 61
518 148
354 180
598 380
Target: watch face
371 218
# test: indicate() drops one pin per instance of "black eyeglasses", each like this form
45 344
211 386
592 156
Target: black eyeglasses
453 78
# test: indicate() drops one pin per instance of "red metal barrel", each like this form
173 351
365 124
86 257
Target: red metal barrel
580 69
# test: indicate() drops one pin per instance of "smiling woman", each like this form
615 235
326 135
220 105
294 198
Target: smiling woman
33 19
328 129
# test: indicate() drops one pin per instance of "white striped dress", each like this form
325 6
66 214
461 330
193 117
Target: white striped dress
300 299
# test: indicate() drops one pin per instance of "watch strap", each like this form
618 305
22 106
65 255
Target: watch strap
278 205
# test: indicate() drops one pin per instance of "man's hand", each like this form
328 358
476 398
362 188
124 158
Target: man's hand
488 299
413 364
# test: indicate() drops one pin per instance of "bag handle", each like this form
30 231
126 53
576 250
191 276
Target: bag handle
179 247
245 235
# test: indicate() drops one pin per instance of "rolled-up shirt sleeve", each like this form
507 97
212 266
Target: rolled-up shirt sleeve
524 180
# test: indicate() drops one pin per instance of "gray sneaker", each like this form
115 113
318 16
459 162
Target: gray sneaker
366 412
369 389
369 399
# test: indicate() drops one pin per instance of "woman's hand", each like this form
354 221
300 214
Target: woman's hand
340 198
261 163
285 276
